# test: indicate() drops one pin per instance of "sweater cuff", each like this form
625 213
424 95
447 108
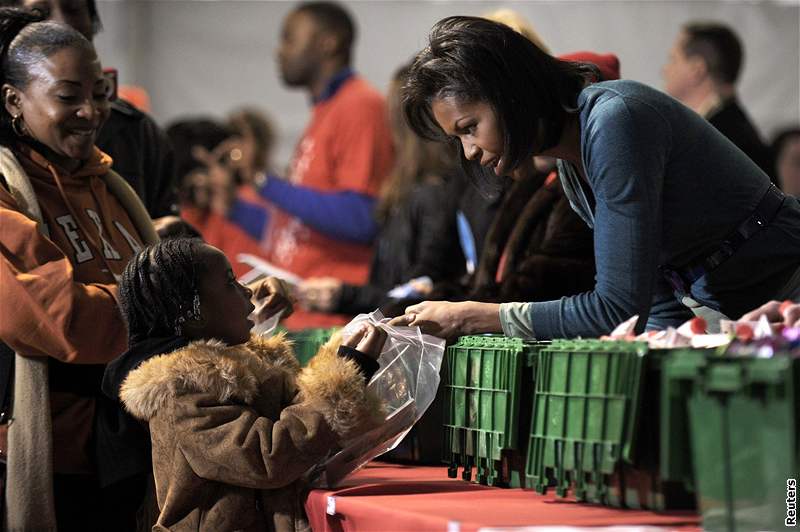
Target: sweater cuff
515 318
547 321
367 365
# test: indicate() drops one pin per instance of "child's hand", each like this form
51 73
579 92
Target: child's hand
270 296
369 339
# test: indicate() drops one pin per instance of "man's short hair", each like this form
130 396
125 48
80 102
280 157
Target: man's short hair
334 18
718 46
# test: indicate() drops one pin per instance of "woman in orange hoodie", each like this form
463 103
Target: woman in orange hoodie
68 226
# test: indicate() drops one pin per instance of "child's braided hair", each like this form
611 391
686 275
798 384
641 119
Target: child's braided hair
159 288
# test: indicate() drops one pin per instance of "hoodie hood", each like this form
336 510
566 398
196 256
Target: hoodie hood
39 167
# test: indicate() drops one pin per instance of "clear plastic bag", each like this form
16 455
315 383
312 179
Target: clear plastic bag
267 327
406 382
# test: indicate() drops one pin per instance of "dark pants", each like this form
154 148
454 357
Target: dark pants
81 505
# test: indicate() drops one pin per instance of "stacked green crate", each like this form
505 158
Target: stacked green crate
583 419
482 381
306 342
743 421
595 426
656 479
675 460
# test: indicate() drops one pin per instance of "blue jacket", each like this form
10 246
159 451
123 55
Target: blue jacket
666 188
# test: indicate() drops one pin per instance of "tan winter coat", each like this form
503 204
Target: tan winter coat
233 429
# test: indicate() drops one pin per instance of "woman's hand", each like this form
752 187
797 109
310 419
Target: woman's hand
320 293
786 312
270 296
448 320
368 339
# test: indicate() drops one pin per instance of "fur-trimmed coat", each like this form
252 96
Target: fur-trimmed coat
548 250
234 428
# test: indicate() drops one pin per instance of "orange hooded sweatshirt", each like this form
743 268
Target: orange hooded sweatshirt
58 295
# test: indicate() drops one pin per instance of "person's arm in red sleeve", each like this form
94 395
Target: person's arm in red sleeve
43 311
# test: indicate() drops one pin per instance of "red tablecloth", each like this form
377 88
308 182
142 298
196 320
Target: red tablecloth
392 497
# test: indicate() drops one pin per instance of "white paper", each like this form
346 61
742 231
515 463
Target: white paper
262 267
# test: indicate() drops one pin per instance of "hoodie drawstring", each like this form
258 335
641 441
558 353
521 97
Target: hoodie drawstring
87 234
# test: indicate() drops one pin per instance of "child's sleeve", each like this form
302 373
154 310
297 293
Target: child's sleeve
234 444
43 311
336 383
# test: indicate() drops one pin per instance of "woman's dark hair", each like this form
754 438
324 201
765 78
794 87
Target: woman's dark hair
159 285
476 60
416 159
25 41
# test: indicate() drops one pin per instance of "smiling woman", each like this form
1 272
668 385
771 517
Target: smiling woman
63 105
69 226
683 221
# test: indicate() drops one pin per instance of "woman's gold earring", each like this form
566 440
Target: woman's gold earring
17 126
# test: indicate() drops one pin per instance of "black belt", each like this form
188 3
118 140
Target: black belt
681 278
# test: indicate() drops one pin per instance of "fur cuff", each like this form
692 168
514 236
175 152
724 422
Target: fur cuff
336 385
275 350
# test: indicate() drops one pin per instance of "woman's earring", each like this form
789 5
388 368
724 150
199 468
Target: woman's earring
17 125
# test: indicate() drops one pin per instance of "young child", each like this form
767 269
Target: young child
233 420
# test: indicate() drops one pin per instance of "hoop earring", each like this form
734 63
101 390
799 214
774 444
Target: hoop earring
17 126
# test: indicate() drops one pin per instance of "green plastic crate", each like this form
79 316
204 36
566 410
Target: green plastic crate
743 421
307 342
584 416
675 460
595 426
659 437
482 381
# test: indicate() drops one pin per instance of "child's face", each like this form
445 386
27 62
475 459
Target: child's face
224 303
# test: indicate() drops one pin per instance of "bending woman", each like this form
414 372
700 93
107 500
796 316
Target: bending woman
683 221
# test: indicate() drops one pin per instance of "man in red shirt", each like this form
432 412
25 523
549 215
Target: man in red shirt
322 222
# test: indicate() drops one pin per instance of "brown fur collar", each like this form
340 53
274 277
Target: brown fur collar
228 372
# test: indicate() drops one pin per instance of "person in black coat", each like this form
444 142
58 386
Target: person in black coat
702 70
